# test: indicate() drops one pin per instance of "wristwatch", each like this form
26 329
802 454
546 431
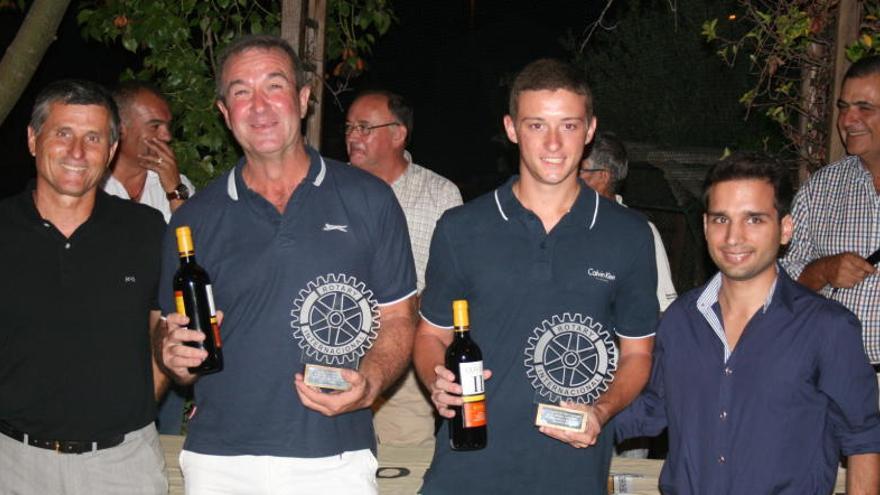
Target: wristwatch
180 192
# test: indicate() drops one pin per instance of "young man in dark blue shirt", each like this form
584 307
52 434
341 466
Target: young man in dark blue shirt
761 382
553 273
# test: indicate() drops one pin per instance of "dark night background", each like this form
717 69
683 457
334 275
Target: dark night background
450 58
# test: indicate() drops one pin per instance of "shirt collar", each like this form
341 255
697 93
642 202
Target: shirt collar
861 174
407 172
316 175
709 296
29 206
585 207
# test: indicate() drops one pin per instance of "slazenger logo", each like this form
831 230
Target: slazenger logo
600 275
341 228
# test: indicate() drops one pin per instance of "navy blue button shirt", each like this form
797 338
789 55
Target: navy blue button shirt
773 415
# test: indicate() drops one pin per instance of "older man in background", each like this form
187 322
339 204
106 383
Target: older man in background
378 127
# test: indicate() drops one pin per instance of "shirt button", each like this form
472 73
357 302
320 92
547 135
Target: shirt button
723 415
46 224
728 371
721 459
67 246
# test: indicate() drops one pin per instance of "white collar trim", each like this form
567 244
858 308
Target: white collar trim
498 204
232 190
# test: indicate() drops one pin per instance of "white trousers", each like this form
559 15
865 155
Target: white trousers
350 473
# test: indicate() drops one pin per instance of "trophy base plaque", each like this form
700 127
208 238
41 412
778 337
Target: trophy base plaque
325 377
562 418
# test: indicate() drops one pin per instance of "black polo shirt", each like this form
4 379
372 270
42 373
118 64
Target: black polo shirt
74 319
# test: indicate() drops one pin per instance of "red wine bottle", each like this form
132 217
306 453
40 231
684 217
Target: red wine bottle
194 298
467 430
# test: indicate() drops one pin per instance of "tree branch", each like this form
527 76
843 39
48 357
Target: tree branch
23 56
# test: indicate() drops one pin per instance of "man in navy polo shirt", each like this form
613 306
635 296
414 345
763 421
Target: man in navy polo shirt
306 255
554 274
762 383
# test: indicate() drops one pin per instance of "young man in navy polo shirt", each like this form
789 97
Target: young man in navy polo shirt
554 274
306 255
762 383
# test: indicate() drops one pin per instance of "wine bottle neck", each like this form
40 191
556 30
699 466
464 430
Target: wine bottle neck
187 258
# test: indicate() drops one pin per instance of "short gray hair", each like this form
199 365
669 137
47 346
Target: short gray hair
607 152
262 42
74 92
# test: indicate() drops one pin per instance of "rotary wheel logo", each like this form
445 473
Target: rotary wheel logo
335 319
570 358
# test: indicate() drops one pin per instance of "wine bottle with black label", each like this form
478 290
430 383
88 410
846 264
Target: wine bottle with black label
467 430
194 298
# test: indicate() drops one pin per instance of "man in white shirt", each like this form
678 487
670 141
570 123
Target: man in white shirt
145 169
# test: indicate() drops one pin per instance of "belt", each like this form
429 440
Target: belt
60 446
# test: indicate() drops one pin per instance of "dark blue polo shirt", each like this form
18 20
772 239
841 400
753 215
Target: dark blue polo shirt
315 274
795 393
544 309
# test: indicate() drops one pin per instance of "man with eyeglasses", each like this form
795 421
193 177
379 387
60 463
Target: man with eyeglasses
378 127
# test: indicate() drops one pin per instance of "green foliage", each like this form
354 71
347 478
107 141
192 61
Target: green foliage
868 42
179 41
655 81
788 43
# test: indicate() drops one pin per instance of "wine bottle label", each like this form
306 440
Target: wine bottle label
178 301
474 413
471 378
215 329
210 292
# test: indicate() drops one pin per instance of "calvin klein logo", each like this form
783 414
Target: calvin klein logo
130 279
601 276
329 226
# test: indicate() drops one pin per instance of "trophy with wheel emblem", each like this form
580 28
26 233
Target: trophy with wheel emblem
335 321
569 358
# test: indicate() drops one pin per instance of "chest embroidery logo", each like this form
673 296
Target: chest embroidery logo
335 319
570 357
339 228
130 279
602 276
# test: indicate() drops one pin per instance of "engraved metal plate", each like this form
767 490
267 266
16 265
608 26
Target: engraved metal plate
325 377
562 418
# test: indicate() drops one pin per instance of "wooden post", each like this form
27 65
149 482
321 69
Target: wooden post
302 25
315 54
848 20
814 104
293 14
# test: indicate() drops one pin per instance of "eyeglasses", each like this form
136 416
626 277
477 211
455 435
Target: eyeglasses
365 130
